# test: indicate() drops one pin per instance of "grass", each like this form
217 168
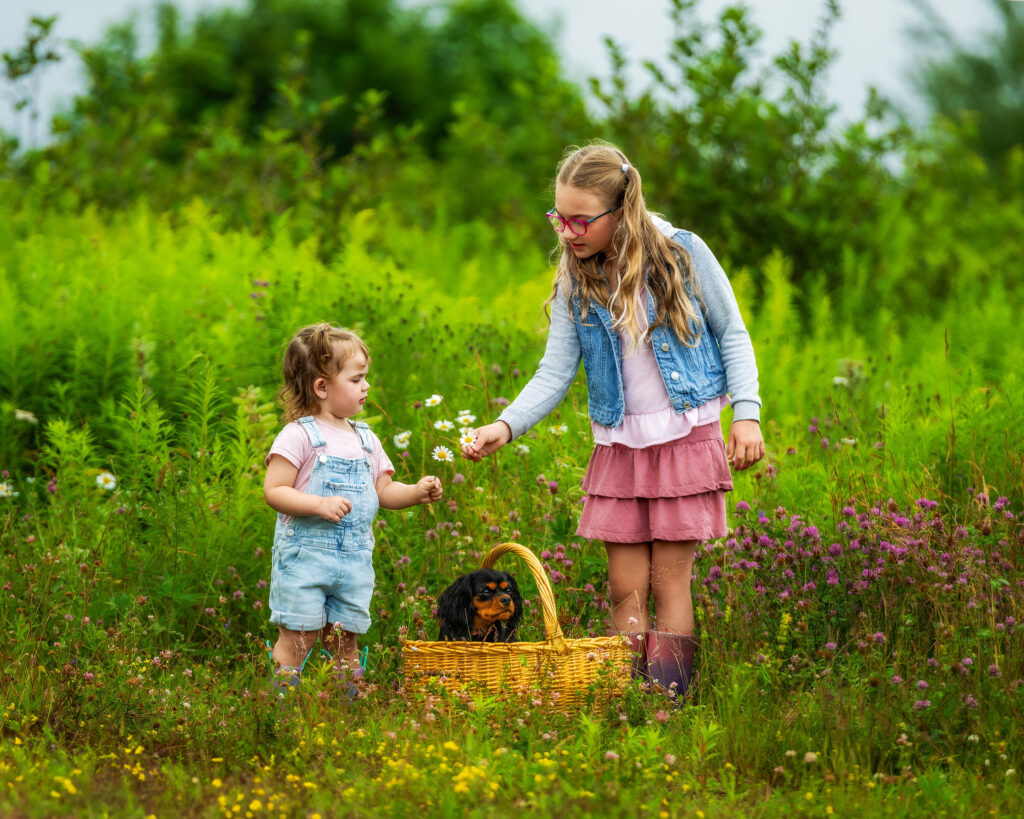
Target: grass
860 642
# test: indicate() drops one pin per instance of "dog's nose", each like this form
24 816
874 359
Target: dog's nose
505 600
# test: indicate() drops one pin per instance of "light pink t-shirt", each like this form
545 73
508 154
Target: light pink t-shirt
292 444
650 418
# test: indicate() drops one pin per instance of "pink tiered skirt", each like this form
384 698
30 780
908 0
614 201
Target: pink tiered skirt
671 491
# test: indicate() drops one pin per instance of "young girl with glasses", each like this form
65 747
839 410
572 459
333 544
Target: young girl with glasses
649 311
326 477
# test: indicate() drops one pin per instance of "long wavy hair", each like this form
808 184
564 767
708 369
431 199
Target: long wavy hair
316 351
644 256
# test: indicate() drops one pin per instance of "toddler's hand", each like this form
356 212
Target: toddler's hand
334 508
486 440
429 488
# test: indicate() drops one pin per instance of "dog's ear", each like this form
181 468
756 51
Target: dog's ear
453 605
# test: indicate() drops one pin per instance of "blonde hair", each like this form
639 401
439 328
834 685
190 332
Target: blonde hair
316 351
644 255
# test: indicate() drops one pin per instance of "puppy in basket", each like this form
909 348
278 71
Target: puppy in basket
484 606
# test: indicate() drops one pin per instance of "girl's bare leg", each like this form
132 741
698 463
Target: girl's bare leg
629 574
671 570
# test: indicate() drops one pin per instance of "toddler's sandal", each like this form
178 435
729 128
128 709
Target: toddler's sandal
351 680
286 678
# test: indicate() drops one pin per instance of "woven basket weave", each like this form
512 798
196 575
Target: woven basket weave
560 668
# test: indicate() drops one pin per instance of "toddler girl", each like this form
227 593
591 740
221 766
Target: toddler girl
649 311
326 477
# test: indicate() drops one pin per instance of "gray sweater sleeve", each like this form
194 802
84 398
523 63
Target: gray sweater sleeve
554 375
723 317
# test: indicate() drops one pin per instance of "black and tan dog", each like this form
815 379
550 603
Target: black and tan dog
484 606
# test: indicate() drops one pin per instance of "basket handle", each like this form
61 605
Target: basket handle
552 631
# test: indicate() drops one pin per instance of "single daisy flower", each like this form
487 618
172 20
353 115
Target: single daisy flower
466 418
402 439
25 415
433 401
6 490
467 438
522 449
106 481
558 429
444 425
442 454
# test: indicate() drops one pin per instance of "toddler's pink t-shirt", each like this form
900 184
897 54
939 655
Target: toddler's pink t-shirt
292 444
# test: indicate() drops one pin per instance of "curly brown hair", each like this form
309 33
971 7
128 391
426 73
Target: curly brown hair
316 351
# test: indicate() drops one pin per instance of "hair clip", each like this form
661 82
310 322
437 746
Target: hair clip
625 167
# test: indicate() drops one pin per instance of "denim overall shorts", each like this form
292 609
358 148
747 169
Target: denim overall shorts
323 571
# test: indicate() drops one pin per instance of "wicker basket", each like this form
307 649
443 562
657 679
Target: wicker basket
559 669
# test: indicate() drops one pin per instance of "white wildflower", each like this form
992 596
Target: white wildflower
444 425
443 454
433 401
25 415
106 481
402 439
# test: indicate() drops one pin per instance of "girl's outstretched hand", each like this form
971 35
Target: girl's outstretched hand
746 446
429 488
486 440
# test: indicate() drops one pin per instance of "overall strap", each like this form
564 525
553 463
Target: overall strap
365 436
316 440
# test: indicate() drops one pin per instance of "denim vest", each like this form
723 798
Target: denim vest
692 375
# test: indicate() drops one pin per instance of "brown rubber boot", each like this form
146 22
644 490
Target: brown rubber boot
638 648
670 662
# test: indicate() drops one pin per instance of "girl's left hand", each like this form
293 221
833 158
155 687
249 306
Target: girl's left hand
746 446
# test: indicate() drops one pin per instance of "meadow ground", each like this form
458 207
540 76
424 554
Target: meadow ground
859 628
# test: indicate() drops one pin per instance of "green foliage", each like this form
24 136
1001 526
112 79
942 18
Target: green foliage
869 214
319 109
976 85
157 257
753 158
22 70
